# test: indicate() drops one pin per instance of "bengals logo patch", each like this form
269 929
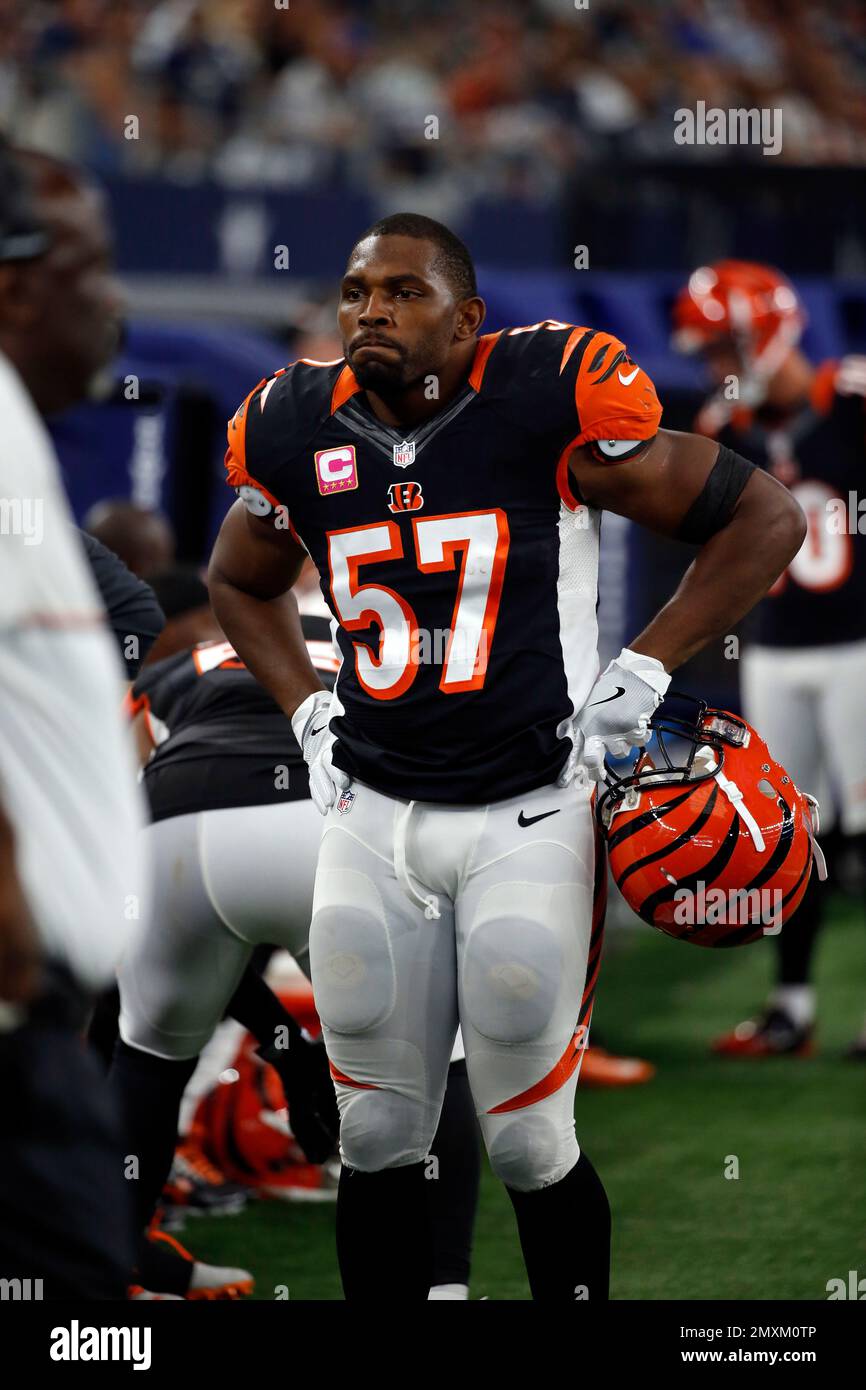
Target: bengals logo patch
405 497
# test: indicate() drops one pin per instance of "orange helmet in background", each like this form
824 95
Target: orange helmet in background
712 842
753 306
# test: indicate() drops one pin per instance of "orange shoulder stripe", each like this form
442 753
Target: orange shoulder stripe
237 427
479 362
573 339
344 387
237 474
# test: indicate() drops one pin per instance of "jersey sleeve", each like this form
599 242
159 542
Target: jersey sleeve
617 409
573 385
274 427
240 459
134 615
161 694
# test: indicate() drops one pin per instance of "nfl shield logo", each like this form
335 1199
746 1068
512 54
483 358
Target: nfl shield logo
404 453
346 802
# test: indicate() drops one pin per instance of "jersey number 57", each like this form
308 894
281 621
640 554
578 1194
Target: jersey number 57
480 538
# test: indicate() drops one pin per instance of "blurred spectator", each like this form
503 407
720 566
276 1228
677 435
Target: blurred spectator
143 539
343 91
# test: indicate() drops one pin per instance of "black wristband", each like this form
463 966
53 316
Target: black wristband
714 505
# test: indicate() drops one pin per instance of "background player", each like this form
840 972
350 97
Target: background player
70 812
804 670
443 874
227 787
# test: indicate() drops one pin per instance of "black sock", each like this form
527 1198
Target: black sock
383 1235
255 1005
796 941
162 1270
565 1237
148 1093
102 1032
454 1191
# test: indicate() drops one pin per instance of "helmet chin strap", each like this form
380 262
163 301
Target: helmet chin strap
812 828
735 796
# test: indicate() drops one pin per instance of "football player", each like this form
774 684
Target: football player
227 787
136 619
804 674
449 488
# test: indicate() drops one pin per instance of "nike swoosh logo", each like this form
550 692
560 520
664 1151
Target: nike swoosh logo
627 380
620 690
319 730
523 820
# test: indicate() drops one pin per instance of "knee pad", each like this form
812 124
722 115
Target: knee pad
513 968
382 1129
351 961
530 1150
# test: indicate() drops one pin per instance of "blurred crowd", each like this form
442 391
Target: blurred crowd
311 93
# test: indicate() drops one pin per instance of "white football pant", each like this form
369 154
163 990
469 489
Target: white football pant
808 706
511 955
223 882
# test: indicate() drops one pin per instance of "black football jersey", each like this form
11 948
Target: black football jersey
134 615
820 454
220 739
461 569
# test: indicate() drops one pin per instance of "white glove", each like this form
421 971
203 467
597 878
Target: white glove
310 725
616 716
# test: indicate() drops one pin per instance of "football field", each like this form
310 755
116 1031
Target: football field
793 1218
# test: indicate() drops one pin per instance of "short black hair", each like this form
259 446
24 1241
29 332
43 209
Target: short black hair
179 590
453 259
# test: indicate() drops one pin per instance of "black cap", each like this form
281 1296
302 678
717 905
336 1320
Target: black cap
22 236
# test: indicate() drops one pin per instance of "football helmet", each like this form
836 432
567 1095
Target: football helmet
244 1128
708 838
755 307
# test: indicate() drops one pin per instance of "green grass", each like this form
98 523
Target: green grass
794 1218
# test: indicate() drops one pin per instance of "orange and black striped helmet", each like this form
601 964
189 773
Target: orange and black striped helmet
708 838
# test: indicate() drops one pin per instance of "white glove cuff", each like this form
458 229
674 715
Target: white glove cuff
647 668
305 712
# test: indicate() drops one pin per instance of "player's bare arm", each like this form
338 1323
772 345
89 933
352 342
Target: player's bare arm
252 569
254 564
736 564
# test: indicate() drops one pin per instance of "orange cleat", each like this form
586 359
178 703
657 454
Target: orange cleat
198 1186
771 1034
169 1265
602 1068
136 1294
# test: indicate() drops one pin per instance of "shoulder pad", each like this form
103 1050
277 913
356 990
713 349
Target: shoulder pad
277 420
577 382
